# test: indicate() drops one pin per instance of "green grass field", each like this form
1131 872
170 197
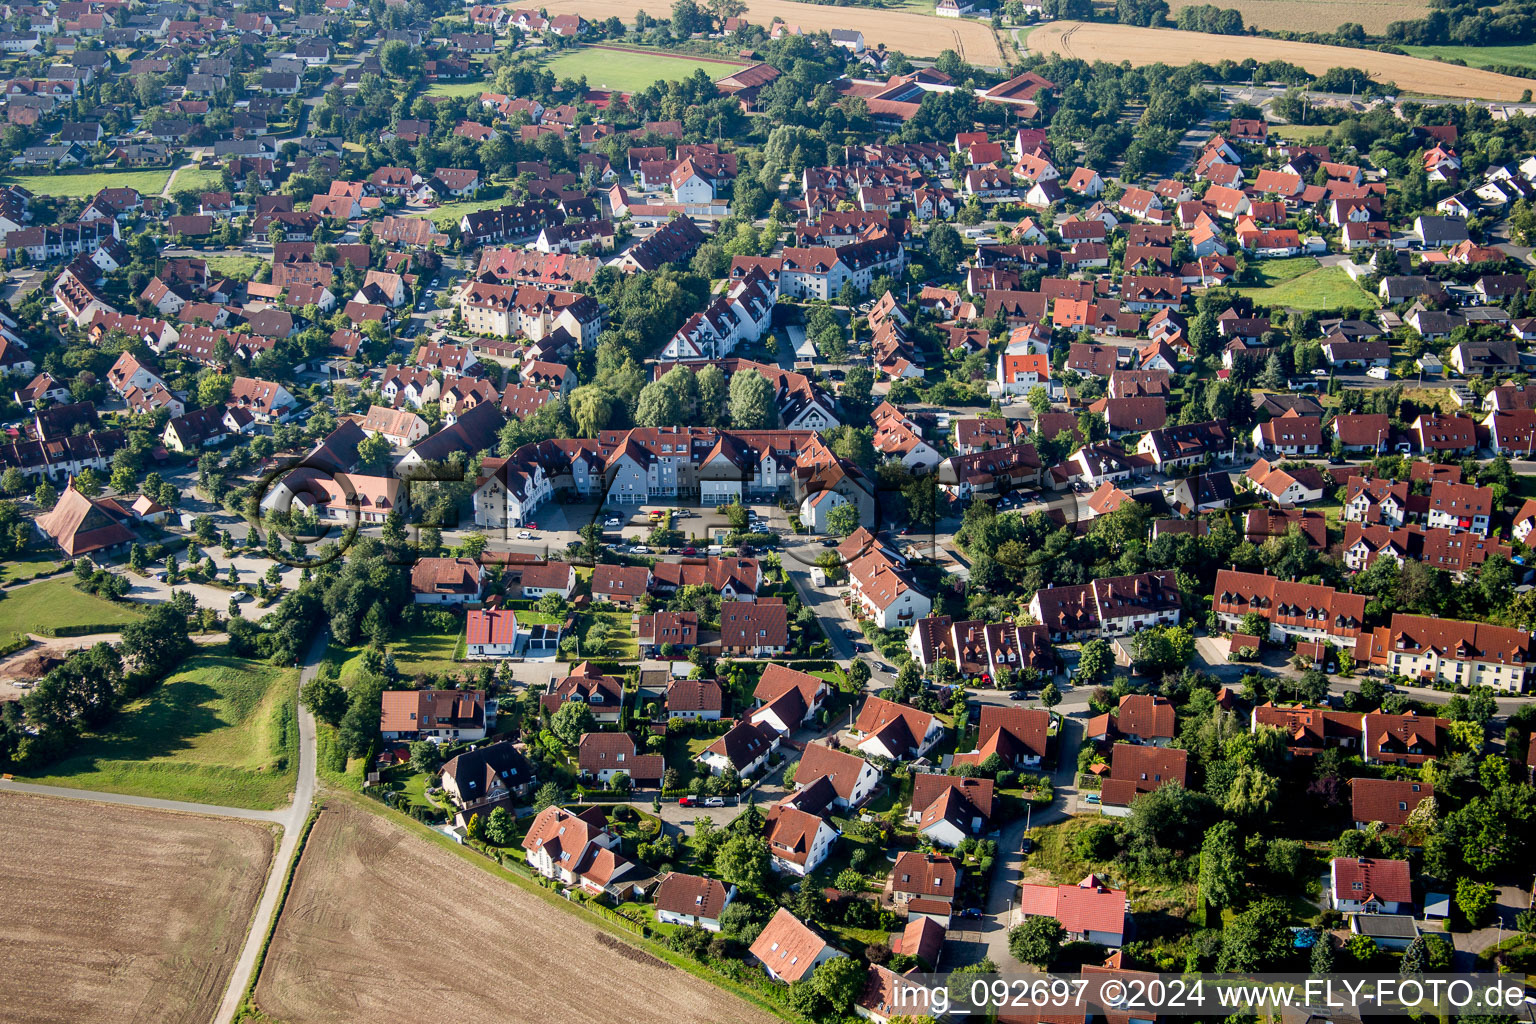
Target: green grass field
234 266
452 213
630 72
457 88
1301 283
422 651
30 564
221 731
1303 133
147 182
195 179
57 603
1479 56
621 642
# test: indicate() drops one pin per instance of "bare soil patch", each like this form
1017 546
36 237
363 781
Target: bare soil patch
374 909
120 914
1153 45
917 35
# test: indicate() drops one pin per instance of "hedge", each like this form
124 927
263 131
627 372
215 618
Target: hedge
83 629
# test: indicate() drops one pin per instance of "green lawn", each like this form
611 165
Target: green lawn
631 72
196 179
1304 133
220 731
421 651
88 184
621 642
235 266
1479 56
457 88
29 564
1301 283
452 213
57 603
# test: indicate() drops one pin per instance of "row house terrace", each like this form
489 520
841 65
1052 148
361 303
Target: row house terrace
1306 611
697 463
980 650
1113 606
506 311
1448 651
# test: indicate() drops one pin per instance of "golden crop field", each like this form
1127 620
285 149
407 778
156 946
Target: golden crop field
1153 45
1317 15
917 35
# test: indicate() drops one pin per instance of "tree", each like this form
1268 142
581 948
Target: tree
397 58
549 795
1095 661
88 483
158 642
752 405
1475 899
1221 866
743 861
373 451
1322 955
858 674
839 981
45 496
1415 958
1037 941
326 699
1050 696
499 827
1257 939
426 756
570 722
843 520
945 246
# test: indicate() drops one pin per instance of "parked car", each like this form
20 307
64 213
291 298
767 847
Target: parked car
1018 695
714 801
1092 798
689 552
1319 372
829 542
686 801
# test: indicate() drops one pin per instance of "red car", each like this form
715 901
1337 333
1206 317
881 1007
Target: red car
686 801
690 551
530 526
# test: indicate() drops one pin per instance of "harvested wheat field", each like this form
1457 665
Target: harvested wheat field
1117 43
917 35
379 922
1317 15
121 914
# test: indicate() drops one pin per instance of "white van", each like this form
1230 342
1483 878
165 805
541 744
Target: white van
1379 373
818 576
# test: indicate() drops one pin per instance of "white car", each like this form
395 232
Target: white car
714 801
612 522
524 535
639 549
1379 373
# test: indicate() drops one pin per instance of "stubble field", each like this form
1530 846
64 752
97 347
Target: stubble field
374 907
121 915
1153 45
917 35
1317 15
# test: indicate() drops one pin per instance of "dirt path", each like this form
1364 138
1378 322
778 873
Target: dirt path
917 35
1153 45
293 823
